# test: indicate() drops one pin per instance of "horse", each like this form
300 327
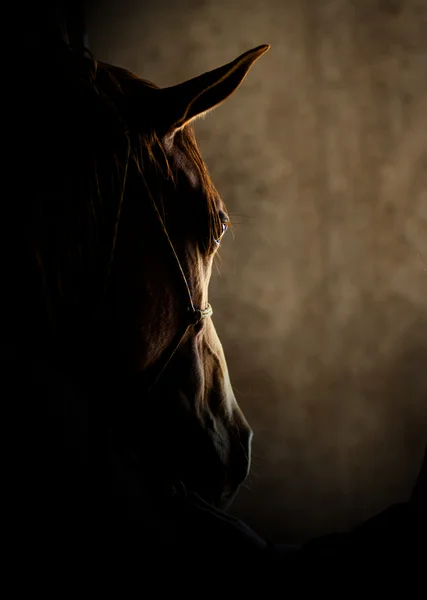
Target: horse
119 226
120 411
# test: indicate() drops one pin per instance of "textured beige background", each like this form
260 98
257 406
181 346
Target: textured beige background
321 293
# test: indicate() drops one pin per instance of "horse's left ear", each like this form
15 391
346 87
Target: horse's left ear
182 103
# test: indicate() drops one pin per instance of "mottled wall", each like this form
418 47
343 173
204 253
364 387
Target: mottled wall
321 292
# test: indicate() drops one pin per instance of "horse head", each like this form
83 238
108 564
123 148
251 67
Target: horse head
131 293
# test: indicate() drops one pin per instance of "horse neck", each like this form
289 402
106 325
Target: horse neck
70 442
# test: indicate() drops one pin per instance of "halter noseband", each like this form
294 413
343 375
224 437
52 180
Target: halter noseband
199 315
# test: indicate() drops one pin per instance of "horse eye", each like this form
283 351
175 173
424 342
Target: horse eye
224 226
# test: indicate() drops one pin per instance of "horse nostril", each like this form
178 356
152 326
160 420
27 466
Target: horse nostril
250 438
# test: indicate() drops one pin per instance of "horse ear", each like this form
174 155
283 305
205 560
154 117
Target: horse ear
184 102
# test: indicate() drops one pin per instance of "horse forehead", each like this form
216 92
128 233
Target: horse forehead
181 160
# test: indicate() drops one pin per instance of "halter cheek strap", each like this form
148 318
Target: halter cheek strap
196 315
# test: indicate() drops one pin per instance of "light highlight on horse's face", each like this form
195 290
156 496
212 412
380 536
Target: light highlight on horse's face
200 371
197 432
216 454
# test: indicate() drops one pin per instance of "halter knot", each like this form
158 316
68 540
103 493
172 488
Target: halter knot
199 314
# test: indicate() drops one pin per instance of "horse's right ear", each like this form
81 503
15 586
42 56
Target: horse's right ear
180 104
